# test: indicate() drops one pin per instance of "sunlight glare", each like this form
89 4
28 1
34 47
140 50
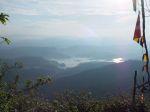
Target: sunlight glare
118 60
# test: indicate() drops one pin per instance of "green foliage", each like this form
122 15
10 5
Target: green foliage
74 102
5 40
4 18
13 98
83 102
32 87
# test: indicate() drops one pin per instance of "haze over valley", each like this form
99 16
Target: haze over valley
76 67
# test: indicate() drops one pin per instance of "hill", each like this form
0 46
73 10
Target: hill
44 52
100 81
32 68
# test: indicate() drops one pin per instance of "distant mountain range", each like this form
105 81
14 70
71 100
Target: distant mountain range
82 51
44 52
33 67
36 66
109 79
98 77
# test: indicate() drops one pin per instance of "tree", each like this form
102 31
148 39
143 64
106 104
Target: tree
3 20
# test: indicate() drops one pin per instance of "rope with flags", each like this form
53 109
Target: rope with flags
139 37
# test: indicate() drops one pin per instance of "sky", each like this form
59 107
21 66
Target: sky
83 19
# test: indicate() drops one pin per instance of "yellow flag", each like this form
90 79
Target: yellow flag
145 58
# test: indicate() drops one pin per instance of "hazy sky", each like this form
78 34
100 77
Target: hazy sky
99 19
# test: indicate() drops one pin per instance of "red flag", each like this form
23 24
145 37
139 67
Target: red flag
137 33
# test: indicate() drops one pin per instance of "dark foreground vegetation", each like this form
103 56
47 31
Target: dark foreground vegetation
27 98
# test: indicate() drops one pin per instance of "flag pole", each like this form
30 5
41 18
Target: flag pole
134 89
145 44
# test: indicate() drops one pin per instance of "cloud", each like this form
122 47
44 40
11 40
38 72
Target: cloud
68 18
66 7
51 29
18 7
23 11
